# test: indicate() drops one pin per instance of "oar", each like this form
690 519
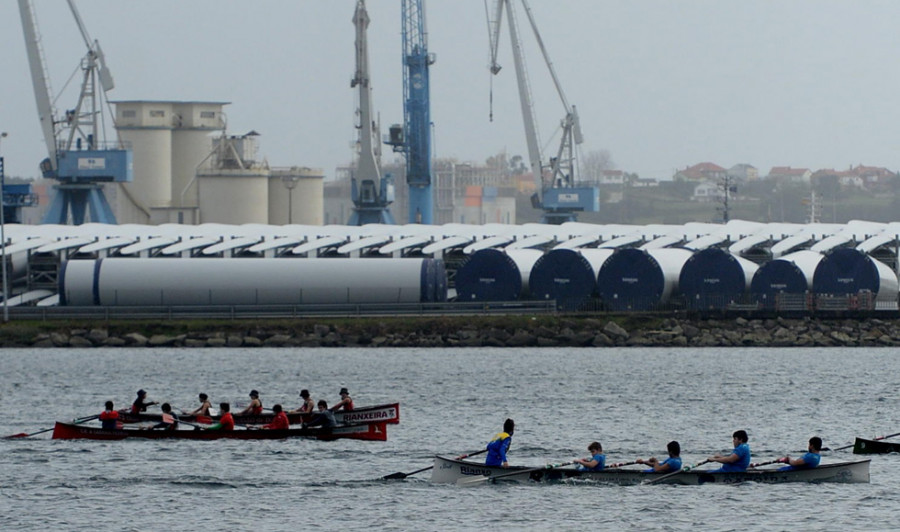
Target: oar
399 476
682 470
75 421
470 481
873 439
621 464
782 460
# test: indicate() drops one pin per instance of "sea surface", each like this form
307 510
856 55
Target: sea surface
453 401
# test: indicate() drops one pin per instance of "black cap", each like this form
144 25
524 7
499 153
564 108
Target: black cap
344 391
141 392
254 393
304 393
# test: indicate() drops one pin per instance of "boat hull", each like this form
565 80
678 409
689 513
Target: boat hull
864 446
387 413
450 471
362 431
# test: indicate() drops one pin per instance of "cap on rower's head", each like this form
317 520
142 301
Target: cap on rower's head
203 397
344 392
141 392
254 393
304 393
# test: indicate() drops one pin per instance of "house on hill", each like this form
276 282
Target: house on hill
701 172
742 173
786 174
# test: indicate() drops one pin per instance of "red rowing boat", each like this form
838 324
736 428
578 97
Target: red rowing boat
359 431
387 413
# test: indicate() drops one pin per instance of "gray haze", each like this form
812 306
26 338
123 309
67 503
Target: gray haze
660 84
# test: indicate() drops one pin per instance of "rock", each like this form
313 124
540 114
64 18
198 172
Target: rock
98 336
194 342
135 339
522 339
252 341
78 341
614 330
234 340
114 341
601 340
216 342
690 331
490 341
160 340
59 340
321 330
546 342
277 340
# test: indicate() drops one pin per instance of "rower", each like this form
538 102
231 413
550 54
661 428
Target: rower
809 460
498 447
139 405
739 458
345 403
226 421
203 409
255 407
596 462
323 418
670 465
280 421
109 418
169 419
307 406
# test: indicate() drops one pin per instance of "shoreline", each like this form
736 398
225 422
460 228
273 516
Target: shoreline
468 331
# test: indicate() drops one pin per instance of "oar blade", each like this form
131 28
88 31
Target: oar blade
472 481
395 476
19 435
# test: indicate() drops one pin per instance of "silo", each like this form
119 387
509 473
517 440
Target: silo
790 275
147 127
567 276
297 196
845 271
176 282
636 279
713 278
191 145
494 275
234 196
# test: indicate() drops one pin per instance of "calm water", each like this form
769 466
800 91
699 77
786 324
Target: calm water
452 401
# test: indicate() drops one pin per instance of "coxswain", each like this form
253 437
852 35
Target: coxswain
255 407
109 418
140 405
203 409
498 447
323 418
307 406
280 421
226 421
346 402
169 419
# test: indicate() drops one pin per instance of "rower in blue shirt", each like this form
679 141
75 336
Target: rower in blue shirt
596 462
498 447
808 460
670 465
739 458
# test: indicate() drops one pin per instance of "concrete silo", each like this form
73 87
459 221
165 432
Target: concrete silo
191 145
147 127
235 190
296 196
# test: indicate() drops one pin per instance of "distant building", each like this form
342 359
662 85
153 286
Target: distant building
707 191
743 173
701 172
786 174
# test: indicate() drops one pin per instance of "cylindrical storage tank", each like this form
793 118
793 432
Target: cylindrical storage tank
178 282
785 279
76 283
713 278
845 271
494 275
567 276
189 148
147 127
234 196
635 279
297 196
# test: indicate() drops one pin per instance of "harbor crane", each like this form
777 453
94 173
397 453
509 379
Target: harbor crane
555 190
413 138
79 155
371 193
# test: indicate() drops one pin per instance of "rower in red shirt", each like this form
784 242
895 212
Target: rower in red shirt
255 407
226 421
109 418
280 421
345 403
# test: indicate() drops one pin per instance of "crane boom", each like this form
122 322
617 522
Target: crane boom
39 79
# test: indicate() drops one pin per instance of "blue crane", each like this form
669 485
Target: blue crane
413 138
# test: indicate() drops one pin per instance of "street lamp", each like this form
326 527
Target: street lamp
290 183
3 135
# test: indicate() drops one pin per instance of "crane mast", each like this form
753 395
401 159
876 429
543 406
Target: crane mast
555 190
79 156
371 193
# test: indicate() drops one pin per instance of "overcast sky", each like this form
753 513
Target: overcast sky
659 84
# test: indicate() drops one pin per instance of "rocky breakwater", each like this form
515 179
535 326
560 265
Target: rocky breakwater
556 332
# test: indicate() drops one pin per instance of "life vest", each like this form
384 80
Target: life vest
496 449
108 419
